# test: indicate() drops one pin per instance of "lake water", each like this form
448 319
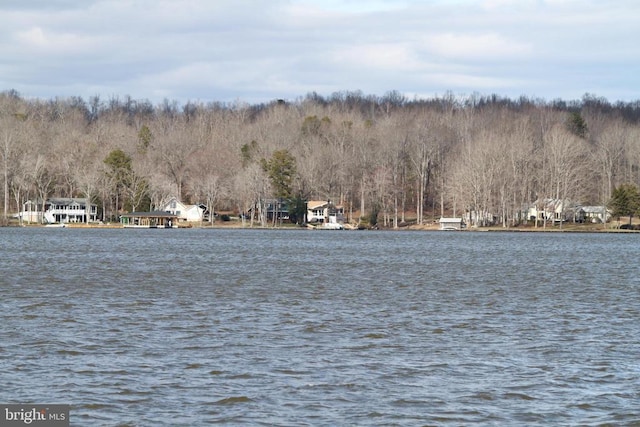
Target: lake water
321 328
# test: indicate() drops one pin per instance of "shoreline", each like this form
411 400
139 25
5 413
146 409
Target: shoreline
577 228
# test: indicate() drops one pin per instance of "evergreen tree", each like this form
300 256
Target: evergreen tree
625 201
145 137
577 125
119 172
281 169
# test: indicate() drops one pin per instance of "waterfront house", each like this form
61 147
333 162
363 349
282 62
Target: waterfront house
271 210
325 212
61 210
277 210
554 210
184 212
593 214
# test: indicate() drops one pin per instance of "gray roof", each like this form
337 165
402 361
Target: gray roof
593 209
154 214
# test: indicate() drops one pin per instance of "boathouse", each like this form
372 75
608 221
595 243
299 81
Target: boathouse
451 224
155 219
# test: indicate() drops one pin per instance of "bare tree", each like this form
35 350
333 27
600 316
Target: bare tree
566 160
87 176
252 189
9 141
20 184
42 178
161 189
423 148
175 148
136 190
12 140
610 145
212 188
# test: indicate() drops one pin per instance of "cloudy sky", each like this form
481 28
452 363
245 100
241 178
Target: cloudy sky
261 50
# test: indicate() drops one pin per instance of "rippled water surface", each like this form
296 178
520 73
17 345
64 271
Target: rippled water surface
290 328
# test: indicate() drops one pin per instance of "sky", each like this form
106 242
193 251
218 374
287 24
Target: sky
257 51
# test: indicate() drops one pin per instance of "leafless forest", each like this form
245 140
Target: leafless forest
385 159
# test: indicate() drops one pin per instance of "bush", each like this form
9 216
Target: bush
225 217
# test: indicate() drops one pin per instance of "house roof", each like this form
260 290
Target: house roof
594 209
153 214
183 205
315 204
450 219
64 201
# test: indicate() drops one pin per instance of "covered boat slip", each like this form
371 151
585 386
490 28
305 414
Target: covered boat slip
451 224
155 219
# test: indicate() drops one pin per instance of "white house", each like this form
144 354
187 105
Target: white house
556 210
325 212
594 214
184 212
59 210
549 209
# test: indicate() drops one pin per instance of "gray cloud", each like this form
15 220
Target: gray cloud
257 51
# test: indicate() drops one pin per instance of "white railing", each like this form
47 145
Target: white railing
67 211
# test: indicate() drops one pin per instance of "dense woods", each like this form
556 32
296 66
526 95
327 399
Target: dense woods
386 159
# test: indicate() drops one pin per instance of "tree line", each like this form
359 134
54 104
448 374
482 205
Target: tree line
386 159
